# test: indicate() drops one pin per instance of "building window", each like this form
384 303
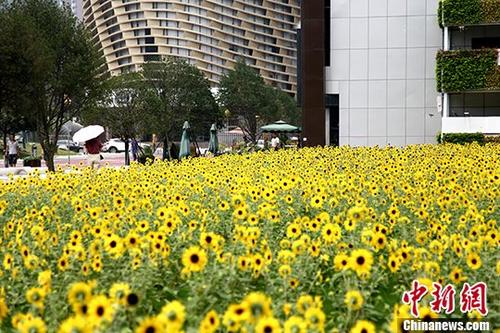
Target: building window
142 32
135 16
149 49
134 6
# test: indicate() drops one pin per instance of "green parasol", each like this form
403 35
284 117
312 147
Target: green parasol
280 127
185 143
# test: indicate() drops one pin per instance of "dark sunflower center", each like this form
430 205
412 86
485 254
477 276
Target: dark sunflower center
150 329
360 260
112 244
195 258
208 239
474 261
268 329
132 299
100 311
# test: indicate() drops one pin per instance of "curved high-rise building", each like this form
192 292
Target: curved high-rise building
211 34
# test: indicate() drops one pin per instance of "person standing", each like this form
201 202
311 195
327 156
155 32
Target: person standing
275 142
135 149
93 148
12 149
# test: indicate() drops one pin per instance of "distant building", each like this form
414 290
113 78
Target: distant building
76 6
211 34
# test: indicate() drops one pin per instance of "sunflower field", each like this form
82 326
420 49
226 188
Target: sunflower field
310 240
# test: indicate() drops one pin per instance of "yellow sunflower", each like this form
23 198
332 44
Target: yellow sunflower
474 261
32 325
194 259
353 299
151 325
363 326
100 309
268 325
361 262
75 324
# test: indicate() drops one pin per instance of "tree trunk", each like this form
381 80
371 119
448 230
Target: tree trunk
127 155
49 150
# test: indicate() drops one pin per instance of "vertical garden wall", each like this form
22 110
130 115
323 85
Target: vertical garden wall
468 12
467 70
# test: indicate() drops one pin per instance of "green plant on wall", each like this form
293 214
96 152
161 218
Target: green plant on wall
468 12
467 70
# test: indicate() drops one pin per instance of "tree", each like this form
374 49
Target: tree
286 107
60 63
245 94
122 108
13 74
178 91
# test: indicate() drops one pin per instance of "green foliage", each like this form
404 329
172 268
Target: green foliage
245 94
175 92
491 11
31 161
439 138
463 70
462 138
468 12
122 108
460 12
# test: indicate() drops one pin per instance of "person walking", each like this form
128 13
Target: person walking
93 148
13 151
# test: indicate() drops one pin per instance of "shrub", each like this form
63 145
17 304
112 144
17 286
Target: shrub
492 139
31 161
462 138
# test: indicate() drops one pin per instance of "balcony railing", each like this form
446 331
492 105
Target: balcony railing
486 125
468 70
468 12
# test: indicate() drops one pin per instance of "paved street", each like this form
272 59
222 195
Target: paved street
116 159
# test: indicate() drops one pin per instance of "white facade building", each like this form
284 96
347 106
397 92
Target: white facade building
382 67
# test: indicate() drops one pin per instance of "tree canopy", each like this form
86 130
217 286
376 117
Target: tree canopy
53 63
245 94
122 108
176 92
